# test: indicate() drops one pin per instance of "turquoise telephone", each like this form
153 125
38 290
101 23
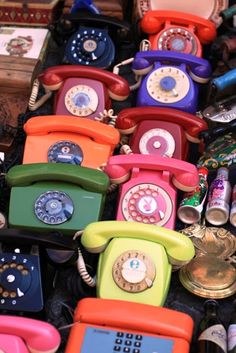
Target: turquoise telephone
136 259
55 196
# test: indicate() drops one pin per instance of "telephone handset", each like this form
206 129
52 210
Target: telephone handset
21 279
24 335
178 31
170 79
58 196
147 194
82 91
91 39
136 259
68 139
160 131
159 328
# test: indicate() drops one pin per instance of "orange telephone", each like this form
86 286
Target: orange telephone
179 31
83 91
164 132
69 139
106 325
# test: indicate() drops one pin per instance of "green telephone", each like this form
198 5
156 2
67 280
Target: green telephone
58 196
136 259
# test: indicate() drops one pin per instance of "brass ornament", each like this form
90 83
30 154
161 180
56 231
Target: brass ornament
211 273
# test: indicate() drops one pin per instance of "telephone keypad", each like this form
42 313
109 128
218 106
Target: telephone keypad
100 340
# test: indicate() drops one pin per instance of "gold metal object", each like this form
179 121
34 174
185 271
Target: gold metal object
210 274
209 277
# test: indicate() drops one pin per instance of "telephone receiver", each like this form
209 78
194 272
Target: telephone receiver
128 120
131 253
184 174
23 335
97 235
52 79
84 5
199 68
151 325
93 38
69 139
179 31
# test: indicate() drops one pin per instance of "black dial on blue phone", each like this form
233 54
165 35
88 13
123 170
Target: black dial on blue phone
90 46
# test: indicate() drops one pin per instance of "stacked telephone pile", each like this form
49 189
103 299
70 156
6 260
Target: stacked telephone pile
117 179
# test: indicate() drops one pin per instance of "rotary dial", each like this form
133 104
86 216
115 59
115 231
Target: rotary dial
134 271
157 141
81 100
177 39
147 203
65 152
168 84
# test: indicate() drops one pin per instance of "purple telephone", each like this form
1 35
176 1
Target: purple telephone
170 79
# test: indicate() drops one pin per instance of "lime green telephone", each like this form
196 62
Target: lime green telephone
55 196
136 259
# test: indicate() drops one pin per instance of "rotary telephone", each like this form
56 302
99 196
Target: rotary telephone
82 91
223 103
24 335
209 9
21 277
178 31
91 39
164 132
147 194
135 259
170 79
110 324
68 139
58 196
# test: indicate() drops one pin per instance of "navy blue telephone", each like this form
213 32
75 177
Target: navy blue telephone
90 39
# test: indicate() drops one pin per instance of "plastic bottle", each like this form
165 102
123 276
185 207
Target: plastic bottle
231 331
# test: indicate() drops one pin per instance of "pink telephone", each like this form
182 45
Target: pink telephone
147 194
24 335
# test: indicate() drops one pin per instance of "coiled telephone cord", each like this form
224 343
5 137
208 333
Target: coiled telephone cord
34 104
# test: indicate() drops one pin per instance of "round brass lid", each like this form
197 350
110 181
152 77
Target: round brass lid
209 277
211 240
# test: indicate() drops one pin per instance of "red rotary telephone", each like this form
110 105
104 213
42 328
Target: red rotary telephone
160 131
82 91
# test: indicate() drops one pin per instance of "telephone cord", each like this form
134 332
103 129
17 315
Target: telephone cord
89 280
33 105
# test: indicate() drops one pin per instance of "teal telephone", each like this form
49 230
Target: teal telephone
58 196
136 259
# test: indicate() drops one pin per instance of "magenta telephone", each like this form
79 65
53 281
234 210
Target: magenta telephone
147 194
170 79
24 335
